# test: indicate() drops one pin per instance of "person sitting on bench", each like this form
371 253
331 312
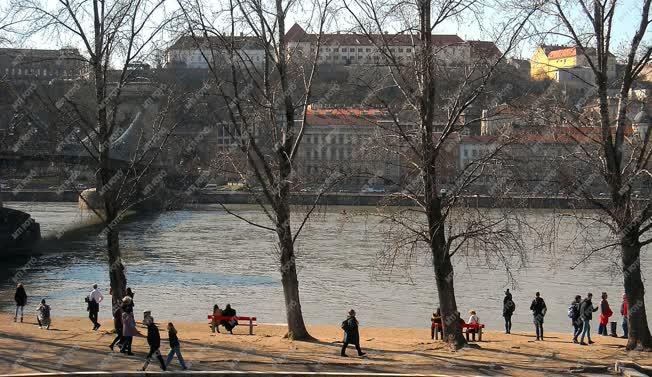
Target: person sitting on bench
232 323
473 320
215 323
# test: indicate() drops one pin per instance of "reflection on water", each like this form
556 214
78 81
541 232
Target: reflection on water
180 263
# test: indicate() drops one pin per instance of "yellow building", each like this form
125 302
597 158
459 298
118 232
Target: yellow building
566 65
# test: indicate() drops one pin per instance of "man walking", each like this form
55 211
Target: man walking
574 315
351 334
586 313
538 308
154 341
94 300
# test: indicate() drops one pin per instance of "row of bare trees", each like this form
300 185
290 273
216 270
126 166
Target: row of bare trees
261 101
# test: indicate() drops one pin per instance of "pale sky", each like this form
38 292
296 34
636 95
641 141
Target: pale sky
625 22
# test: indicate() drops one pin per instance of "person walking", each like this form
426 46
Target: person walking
43 315
21 300
175 347
128 326
508 310
574 315
538 308
117 325
351 334
624 311
154 342
586 313
605 314
94 299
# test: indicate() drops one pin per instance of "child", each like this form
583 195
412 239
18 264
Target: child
436 322
154 341
473 320
175 346
43 315
215 323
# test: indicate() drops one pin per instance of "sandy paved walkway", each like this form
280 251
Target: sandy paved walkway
70 345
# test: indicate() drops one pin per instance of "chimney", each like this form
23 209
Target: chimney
386 32
241 34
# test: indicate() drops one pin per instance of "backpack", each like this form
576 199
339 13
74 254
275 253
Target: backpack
573 311
46 311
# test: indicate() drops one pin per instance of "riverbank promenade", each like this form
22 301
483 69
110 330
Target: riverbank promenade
70 346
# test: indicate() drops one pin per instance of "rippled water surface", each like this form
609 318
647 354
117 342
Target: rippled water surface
180 263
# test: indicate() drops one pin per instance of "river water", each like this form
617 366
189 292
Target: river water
180 263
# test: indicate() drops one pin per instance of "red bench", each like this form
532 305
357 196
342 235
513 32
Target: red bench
465 329
251 320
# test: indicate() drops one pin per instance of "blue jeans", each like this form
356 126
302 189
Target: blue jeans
625 327
176 350
586 330
577 328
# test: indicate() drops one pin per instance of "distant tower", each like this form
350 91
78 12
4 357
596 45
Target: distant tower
642 122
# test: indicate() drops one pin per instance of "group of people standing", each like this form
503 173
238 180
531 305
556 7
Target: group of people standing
580 312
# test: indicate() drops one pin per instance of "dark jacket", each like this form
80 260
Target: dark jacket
351 332
508 305
587 309
117 320
153 336
230 312
174 339
20 296
577 318
538 307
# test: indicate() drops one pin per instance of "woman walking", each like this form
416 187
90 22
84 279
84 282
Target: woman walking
128 326
21 300
175 347
351 334
508 310
605 314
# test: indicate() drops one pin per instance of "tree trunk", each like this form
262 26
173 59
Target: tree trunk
116 268
450 315
296 326
639 332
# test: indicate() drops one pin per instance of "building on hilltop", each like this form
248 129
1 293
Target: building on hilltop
38 64
220 50
568 66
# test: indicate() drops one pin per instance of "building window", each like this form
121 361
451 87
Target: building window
359 50
400 50
368 50
352 50
337 49
408 50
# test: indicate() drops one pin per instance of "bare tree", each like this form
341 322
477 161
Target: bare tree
260 89
438 91
607 150
118 33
